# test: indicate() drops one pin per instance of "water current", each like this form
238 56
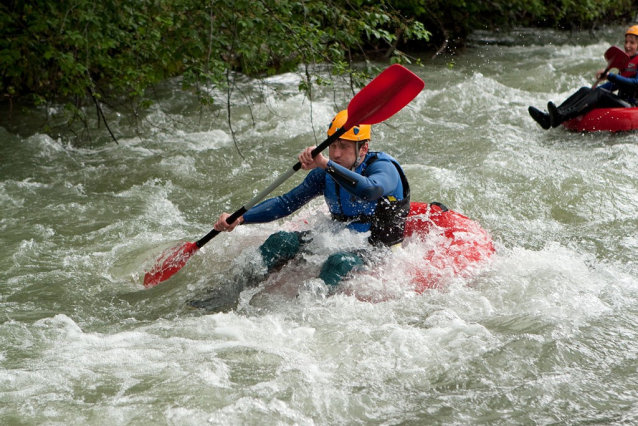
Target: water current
544 334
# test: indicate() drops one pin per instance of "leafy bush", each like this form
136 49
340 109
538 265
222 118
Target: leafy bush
84 52
451 21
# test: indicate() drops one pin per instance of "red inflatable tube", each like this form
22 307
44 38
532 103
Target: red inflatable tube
605 120
462 244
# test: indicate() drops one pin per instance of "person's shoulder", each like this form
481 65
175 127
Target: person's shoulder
384 156
383 163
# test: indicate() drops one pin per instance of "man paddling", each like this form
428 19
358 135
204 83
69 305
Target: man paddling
367 191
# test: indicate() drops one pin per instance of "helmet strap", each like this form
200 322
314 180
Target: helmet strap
358 146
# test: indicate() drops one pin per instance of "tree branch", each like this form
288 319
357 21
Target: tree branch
101 113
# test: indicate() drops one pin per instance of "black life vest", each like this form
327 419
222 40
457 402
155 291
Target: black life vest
387 223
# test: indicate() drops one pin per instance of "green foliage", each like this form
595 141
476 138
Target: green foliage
451 21
585 13
85 52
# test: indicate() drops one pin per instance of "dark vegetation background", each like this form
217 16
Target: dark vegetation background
90 58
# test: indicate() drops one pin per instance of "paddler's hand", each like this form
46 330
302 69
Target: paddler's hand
222 226
309 163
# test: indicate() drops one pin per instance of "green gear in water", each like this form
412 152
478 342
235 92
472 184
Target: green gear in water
338 266
279 248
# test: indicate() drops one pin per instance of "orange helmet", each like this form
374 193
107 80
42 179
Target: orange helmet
633 30
356 134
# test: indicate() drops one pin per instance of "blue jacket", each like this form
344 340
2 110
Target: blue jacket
352 197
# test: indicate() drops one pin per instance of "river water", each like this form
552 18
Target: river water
543 334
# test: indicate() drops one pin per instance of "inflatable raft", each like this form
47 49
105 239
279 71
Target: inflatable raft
605 120
461 244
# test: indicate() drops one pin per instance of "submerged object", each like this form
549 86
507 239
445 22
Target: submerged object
605 120
456 245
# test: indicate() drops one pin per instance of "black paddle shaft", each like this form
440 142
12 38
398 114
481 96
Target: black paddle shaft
281 179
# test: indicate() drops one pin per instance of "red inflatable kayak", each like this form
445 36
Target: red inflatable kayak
460 244
605 120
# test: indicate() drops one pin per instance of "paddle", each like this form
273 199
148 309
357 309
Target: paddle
383 97
616 58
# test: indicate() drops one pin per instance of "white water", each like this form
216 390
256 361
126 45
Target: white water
544 334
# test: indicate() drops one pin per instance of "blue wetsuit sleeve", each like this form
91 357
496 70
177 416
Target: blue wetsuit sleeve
284 205
608 86
382 179
623 82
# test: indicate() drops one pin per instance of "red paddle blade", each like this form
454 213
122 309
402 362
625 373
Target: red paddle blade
384 96
616 58
171 261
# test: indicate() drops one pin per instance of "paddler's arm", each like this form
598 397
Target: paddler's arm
623 82
382 179
284 205
278 207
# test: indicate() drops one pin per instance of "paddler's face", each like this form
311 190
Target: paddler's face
631 44
343 152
